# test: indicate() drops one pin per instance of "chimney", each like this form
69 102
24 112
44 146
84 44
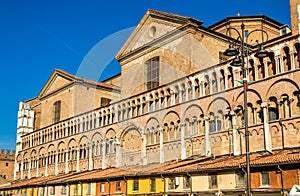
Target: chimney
295 13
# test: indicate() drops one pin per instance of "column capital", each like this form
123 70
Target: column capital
231 112
206 118
264 105
182 124
194 119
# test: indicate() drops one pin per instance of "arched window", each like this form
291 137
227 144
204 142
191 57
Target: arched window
152 73
251 70
272 64
56 111
285 106
261 69
230 77
287 59
215 123
273 109
214 83
297 55
222 80
206 85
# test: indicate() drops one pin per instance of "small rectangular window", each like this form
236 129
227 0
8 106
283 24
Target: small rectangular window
187 182
135 185
213 181
76 189
64 190
89 188
118 186
152 73
171 183
240 179
56 111
102 188
265 179
6 164
52 190
153 185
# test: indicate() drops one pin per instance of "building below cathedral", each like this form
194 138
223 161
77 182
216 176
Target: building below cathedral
173 122
7 166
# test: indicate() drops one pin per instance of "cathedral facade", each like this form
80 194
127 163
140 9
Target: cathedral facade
177 97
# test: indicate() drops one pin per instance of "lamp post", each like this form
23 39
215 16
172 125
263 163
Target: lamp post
240 61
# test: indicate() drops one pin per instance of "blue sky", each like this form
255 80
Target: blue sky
38 36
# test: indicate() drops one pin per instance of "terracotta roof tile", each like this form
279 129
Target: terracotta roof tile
201 164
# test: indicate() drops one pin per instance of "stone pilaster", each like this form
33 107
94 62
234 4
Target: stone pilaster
77 159
91 164
161 145
46 166
183 149
118 153
67 162
37 167
207 137
56 163
103 154
144 149
267 133
29 169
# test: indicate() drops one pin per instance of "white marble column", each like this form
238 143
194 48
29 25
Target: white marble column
173 98
161 145
103 154
277 63
144 149
225 80
281 64
56 163
15 169
67 162
46 166
292 60
37 167
183 149
207 136
267 133
187 92
159 102
180 96
91 165
235 136
148 105
202 89
29 169
193 93
77 160
118 153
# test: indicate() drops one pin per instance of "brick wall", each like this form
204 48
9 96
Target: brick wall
7 160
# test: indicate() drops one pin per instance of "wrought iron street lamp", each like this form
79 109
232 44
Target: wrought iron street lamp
241 53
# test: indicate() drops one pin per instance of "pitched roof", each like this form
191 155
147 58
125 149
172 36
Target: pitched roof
232 18
171 20
70 79
202 164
